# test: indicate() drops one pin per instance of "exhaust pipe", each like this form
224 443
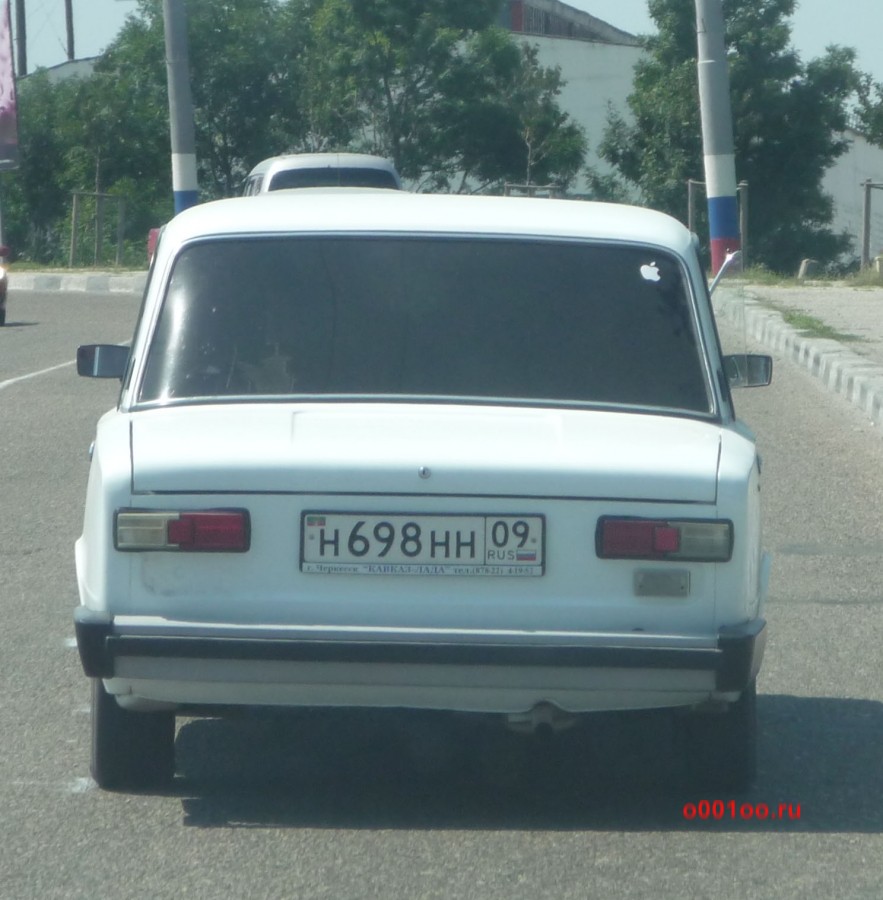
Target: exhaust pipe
544 717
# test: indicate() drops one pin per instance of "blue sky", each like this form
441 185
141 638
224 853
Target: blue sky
857 23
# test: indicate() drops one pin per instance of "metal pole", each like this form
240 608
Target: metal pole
99 229
69 23
75 224
717 132
743 220
121 228
182 133
21 35
866 226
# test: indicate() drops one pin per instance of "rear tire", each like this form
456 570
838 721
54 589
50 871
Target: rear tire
130 750
720 749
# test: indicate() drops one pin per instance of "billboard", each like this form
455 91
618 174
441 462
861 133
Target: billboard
8 104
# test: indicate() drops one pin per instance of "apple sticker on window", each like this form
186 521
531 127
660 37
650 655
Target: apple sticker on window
650 272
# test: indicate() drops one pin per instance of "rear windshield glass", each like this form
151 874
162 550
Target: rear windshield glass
332 177
400 317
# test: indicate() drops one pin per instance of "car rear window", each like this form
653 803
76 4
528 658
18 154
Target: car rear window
427 317
327 176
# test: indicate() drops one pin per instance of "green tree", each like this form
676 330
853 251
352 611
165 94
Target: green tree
870 109
239 63
788 123
510 126
319 97
35 195
452 100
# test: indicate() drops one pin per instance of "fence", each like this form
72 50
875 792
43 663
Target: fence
866 221
98 222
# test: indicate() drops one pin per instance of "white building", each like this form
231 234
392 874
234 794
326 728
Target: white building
844 182
596 61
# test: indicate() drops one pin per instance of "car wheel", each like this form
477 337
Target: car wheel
720 749
2 317
130 750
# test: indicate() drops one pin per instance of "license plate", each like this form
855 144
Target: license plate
376 544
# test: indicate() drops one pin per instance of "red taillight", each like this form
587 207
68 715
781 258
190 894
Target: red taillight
694 540
639 538
209 531
204 531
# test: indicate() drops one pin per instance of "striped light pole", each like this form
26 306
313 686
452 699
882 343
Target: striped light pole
182 132
717 133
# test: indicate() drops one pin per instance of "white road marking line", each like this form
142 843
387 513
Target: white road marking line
76 786
81 785
11 381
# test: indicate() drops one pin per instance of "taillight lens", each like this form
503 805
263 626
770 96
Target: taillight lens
202 531
687 540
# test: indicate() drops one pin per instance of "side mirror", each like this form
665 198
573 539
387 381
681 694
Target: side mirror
102 360
733 260
748 370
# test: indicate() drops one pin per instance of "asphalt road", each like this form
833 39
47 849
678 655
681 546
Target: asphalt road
356 806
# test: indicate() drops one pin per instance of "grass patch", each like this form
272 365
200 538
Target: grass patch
763 276
865 278
810 326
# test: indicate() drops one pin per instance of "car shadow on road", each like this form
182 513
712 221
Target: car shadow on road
820 769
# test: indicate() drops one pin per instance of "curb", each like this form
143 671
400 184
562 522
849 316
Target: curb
96 282
855 378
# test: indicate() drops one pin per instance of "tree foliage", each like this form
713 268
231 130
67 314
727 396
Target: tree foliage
870 111
35 196
432 84
238 72
789 119
452 100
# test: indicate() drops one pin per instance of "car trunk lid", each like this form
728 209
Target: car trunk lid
426 450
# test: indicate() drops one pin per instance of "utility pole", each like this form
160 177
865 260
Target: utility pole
69 23
181 128
717 132
21 36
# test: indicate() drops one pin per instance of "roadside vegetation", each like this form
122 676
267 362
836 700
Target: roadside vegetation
810 326
456 102
760 275
434 85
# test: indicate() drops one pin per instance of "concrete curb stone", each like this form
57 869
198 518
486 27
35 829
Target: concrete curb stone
855 378
90 282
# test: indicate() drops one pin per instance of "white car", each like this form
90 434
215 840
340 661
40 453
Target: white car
306 170
379 449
